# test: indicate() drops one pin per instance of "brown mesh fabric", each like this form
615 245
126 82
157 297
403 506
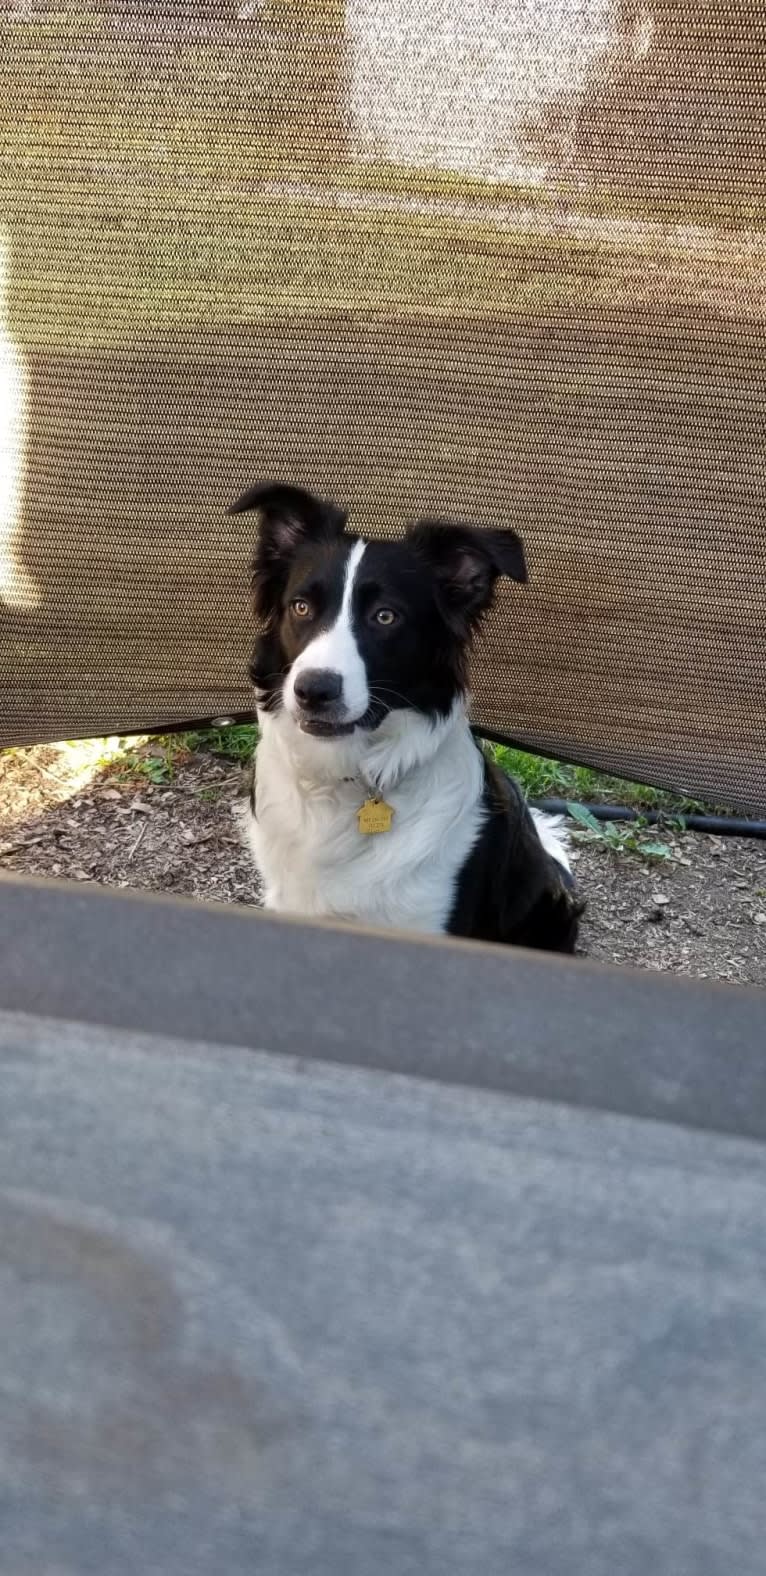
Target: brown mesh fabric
499 261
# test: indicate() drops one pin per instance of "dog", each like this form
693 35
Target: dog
370 799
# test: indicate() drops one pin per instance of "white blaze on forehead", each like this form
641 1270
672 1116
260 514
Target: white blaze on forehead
337 651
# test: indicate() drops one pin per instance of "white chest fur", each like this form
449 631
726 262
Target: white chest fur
305 836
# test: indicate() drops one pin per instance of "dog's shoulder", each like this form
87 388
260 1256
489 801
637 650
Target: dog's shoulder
511 888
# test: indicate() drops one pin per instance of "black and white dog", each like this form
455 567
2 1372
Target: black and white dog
370 798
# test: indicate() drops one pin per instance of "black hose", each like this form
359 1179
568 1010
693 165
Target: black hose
716 825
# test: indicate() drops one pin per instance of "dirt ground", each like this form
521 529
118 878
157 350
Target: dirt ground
64 812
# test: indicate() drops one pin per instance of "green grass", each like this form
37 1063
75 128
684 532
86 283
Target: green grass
542 778
235 742
158 757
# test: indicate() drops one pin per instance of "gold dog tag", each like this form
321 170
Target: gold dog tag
374 816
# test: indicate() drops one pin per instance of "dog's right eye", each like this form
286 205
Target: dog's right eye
300 607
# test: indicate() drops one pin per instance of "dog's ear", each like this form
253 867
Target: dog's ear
290 517
466 561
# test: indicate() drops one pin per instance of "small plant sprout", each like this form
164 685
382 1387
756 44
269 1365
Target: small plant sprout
627 837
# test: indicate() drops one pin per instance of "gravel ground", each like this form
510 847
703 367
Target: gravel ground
67 813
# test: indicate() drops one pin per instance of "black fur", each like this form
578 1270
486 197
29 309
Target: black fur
466 563
510 890
439 580
291 521
302 551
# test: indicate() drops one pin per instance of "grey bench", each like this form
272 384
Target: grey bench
330 1253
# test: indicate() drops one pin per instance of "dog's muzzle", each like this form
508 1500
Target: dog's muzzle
321 709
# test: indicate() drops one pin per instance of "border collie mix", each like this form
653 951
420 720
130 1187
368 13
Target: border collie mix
370 799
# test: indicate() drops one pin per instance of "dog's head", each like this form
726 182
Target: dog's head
352 630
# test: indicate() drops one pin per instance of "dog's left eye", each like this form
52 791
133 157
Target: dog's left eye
386 616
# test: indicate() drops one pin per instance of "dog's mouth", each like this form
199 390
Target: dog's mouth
325 730
335 727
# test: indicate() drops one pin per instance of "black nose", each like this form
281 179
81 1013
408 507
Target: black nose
316 687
